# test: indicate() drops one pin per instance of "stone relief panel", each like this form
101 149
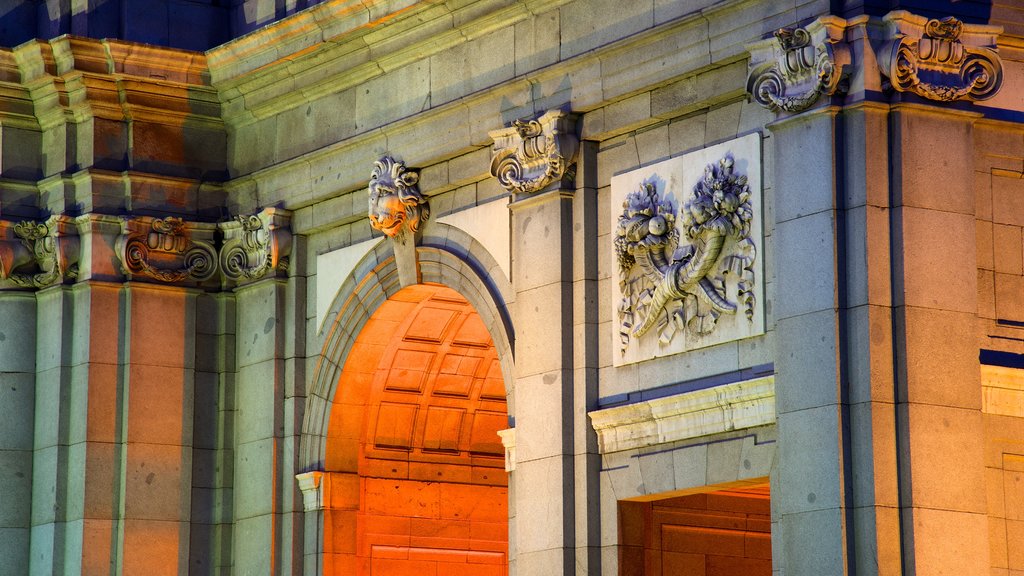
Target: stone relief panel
37 254
395 201
943 60
687 252
791 71
530 155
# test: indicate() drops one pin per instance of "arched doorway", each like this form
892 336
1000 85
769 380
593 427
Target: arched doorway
414 468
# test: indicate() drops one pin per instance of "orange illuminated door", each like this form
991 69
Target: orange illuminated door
415 467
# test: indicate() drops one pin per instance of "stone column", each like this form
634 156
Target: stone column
808 495
939 420
530 159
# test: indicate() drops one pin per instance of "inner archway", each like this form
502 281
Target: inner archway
414 468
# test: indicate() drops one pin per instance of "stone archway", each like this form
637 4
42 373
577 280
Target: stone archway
414 478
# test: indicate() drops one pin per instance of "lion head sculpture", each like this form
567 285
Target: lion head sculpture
395 200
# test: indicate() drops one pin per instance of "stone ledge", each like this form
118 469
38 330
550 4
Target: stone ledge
723 408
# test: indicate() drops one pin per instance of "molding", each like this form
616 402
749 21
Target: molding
684 416
255 246
941 60
312 486
791 71
508 440
531 154
42 254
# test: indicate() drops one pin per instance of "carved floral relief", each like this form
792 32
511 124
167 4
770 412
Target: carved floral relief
791 71
943 60
255 246
167 249
531 154
687 242
40 253
395 201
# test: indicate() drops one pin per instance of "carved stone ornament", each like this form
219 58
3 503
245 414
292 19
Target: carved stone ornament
167 249
41 254
791 71
530 155
255 246
395 200
943 60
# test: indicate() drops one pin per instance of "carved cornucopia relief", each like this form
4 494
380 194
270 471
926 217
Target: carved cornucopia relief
686 244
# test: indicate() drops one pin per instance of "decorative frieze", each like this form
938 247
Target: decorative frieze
255 246
531 154
684 416
943 60
41 253
395 201
167 249
791 71
686 244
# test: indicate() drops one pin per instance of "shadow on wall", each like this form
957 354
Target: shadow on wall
188 24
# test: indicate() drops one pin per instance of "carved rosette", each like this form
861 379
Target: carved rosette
675 283
530 155
791 71
41 254
255 246
943 60
167 249
395 202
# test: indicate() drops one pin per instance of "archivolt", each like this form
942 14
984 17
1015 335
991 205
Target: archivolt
447 256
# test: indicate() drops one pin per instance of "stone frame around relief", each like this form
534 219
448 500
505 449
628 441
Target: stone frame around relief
697 319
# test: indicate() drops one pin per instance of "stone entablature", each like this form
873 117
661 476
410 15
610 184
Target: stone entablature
684 416
791 71
36 254
531 154
943 60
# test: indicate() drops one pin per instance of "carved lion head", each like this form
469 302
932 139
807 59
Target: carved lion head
395 199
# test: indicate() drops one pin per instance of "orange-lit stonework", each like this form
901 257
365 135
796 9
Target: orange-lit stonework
415 469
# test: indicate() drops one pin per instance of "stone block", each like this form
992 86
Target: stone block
41 549
945 541
654 60
537 42
591 27
466 68
542 422
806 364
870 366
158 482
656 472
804 265
1008 200
653 145
170 345
722 123
160 405
930 177
537 310
44 486
540 492
1007 249
1009 291
872 427
940 359
18 332
724 461
16 498
379 102
757 457
930 240
689 466
943 439
687 133
154 546
984 244
616 158
824 528
14 549
17 409
254 479
807 166
260 330
259 411
808 460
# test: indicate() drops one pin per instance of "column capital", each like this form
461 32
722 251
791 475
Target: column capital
531 155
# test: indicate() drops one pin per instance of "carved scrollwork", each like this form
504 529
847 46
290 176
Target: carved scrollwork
167 249
395 201
255 246
43 254
930 58
679 283
798 66
530 155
